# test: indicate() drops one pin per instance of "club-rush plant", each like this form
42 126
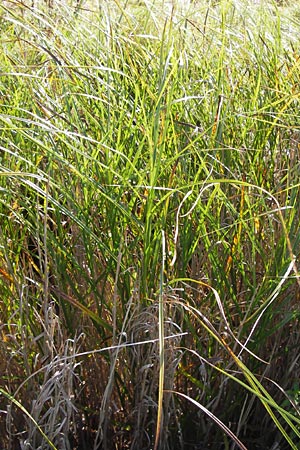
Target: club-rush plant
149 225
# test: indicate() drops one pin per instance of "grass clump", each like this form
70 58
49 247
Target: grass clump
149 176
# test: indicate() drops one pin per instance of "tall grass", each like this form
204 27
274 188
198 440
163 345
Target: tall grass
149 225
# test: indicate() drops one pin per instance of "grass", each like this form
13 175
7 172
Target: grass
149 237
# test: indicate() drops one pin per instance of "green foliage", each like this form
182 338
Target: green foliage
149 178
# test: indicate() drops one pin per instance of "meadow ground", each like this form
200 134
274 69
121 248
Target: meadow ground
149 225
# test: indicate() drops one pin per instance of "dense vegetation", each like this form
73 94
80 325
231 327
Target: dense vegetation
149 225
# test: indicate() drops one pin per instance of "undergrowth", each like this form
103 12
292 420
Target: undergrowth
149 211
